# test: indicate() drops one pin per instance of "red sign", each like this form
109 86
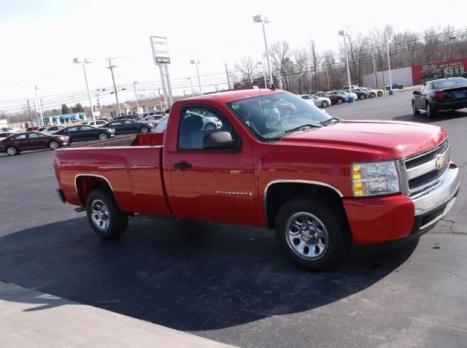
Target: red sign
438 70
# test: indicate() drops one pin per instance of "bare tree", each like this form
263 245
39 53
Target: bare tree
281 59
246 67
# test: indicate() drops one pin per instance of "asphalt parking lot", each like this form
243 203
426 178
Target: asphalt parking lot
229 283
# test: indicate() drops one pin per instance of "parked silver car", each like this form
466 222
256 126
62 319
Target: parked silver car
321 102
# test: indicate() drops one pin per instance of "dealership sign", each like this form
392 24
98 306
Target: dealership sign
438 70
160 49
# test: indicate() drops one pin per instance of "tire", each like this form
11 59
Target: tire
54 145
144 129
430 112
102 136
380 94
11 151
340 101
329 249
416 112
104 216
361 97
324 104
210 126
372 95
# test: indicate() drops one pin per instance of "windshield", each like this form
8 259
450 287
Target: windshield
274 115
450 83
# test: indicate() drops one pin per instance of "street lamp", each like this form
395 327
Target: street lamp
388 41
343 34
83 63
196 63
136 96
263 21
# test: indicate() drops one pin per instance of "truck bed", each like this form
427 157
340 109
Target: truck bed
129 166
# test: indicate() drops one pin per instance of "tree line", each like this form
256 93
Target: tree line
303 70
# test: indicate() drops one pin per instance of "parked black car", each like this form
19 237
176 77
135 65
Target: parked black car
128 126
394 86
361 93
442 94
86 132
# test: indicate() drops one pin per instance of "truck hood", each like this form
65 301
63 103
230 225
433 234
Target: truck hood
390 139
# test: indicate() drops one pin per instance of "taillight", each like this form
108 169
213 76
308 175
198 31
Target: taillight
439 95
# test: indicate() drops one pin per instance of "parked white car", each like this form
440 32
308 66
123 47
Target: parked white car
321 102
349 94
98 123
161 126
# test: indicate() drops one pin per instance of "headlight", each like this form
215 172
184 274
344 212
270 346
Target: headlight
378 178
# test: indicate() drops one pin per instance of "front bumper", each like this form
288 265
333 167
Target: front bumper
383 219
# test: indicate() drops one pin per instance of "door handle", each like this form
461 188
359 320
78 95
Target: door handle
183 165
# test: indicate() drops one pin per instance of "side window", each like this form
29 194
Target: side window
195 123
86 128
20 136
34 135
72 129
129 122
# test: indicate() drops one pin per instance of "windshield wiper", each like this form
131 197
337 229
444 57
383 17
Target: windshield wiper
302 127
331 120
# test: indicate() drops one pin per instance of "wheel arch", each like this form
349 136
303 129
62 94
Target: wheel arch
86 183
278 192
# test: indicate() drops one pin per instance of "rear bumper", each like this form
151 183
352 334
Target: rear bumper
451 104
377 220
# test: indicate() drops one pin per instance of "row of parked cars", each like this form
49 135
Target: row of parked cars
55 136
325 99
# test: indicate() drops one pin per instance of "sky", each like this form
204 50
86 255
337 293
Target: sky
40 38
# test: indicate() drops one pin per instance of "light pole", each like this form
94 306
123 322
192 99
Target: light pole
343 34
263 21
83 63
196 63
136 96
388 41
38 103
259 63
191 86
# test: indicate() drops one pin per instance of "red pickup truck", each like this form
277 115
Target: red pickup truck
270 160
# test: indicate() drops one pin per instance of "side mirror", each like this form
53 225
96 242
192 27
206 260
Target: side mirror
219 140
416 92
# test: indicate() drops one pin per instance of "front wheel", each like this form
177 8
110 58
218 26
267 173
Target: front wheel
144 130
310 235
11 150
324 104
104 216
361 97
103 136
53 145
340 101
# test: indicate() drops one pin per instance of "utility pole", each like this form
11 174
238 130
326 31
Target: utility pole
343 34
112 67
227 74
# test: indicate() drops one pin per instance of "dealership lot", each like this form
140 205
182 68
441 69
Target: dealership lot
229 283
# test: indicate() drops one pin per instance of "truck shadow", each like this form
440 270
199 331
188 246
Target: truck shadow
441 116
187 276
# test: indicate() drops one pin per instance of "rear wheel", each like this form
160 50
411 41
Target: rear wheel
430 111
380 94
372 95
340 101
11 151
311 235
210 126
144 129
53 145
361 96
324 104
416 112
103 136
104 216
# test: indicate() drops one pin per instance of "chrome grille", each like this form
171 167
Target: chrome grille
423 171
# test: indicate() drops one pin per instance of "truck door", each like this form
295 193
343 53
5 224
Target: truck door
206 184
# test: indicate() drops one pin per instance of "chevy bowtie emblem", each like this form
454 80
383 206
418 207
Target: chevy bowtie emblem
439 162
